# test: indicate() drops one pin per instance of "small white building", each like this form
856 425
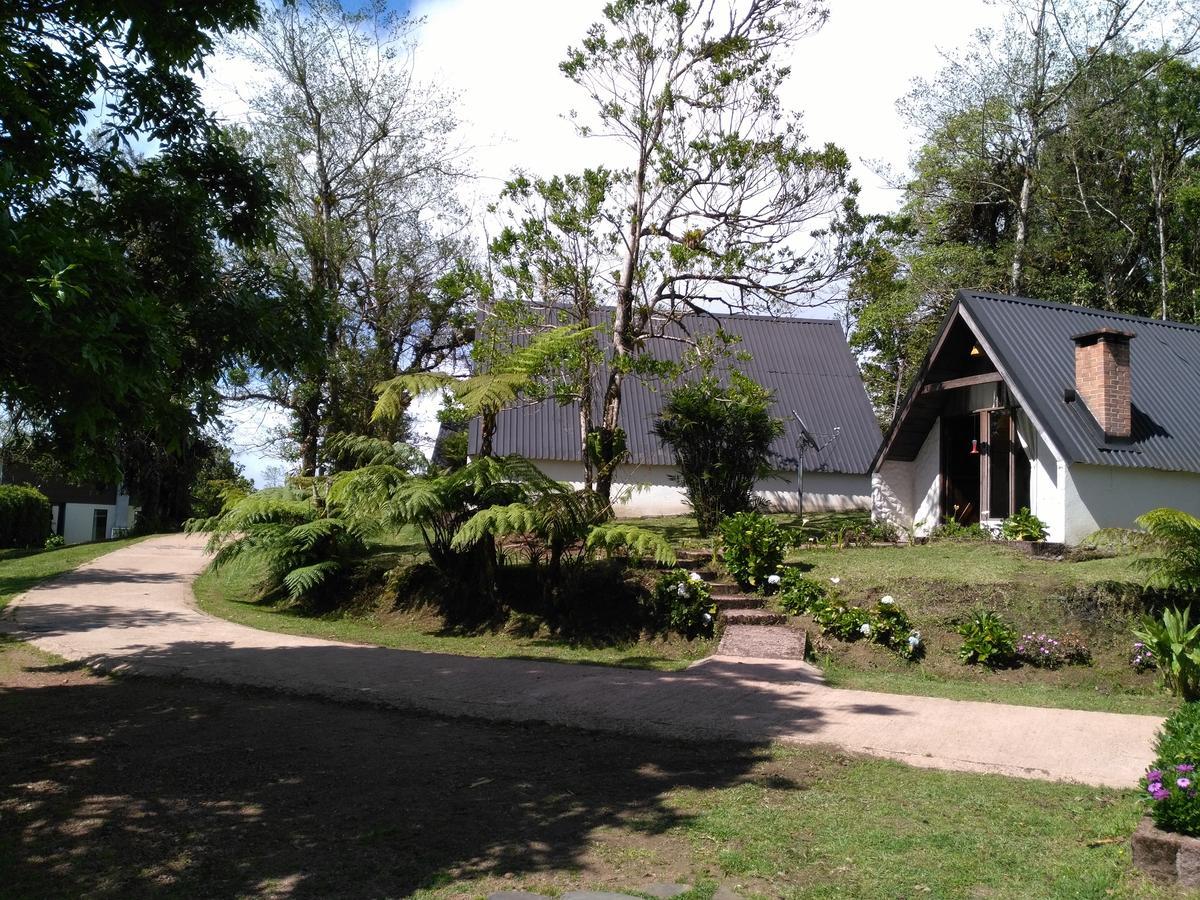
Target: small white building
805 362
1086 417
80 513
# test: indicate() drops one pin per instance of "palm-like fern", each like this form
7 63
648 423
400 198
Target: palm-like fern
484 394
1177 534
302 546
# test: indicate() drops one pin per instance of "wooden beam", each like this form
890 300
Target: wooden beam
968 381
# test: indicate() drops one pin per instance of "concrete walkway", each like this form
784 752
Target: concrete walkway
133 611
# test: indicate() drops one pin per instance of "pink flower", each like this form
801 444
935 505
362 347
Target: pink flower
1183 782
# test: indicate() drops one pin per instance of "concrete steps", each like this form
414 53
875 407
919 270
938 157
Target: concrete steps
762 642
748 630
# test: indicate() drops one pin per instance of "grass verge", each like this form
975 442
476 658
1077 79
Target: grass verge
230 591
22 570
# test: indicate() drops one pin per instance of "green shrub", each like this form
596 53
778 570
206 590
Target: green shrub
987 640
720 438
57 541
891 623
799 594
953 531
752 549
683 604
1174 643
24 516
846 623
1023 526
1170 783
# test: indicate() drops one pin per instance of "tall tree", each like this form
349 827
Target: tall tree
120 302
363 156
1029 70
715 186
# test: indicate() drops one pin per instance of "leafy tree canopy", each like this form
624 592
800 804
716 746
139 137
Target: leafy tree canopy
119 299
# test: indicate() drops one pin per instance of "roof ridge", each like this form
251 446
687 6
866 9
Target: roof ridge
1071 307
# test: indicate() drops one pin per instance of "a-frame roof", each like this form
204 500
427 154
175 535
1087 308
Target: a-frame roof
1030 343
805 362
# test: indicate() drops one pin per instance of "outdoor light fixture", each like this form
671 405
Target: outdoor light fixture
975 351
975 448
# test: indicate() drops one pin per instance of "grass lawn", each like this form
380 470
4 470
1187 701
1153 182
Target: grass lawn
941 584
230 592
22 569
139 787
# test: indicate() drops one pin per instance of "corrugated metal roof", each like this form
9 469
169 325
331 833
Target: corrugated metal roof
806 362
1030 342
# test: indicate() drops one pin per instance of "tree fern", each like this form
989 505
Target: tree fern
1177 535
484 392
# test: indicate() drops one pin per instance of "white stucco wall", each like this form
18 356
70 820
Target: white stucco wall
927 482
649 490
1114 496
1046 475
77 524
909 493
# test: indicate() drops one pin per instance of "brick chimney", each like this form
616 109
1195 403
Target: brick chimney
1103 379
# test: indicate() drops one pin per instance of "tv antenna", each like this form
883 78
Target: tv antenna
809 441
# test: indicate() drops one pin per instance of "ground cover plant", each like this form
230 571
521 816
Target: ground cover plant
108 785
1170 784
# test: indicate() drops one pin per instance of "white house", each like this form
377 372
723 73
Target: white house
78 512
805 362
1086 417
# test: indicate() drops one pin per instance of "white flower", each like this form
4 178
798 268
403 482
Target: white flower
695 576
804 521
836 580
865 628
681 589
914 639
773 579
707 617
888 600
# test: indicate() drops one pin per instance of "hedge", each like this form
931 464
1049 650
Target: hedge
24 516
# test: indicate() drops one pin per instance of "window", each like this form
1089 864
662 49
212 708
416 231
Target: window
1006 467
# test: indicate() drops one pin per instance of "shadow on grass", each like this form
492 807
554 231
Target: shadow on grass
137 787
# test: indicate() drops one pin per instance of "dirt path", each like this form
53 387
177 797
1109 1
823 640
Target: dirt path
133 611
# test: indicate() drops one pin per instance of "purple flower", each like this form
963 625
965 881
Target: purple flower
1154 775
1185 767
1154 787
1161 795
1183 782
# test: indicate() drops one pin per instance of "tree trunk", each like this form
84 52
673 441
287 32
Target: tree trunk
585 428
1156 184
1020 239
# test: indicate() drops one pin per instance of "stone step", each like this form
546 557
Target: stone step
762 641
743 616
721 587
738 601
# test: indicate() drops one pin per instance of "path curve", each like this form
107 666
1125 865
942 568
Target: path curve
133 611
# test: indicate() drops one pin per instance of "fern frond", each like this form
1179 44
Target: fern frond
496 521
362 451
638 542
307 579
394 395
